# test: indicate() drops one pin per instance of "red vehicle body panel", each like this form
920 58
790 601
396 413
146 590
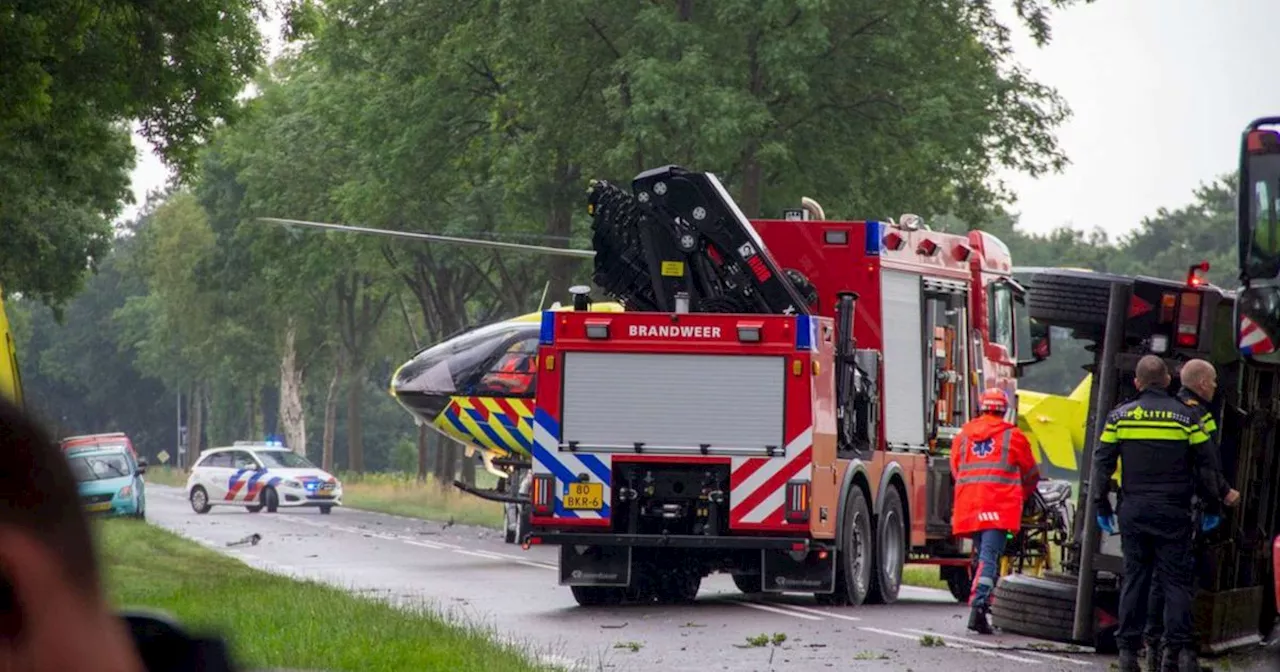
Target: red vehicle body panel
976 260
110 438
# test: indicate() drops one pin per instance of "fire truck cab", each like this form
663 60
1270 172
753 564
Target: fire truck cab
784 416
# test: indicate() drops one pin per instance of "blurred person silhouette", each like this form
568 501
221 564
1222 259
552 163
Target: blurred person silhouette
54 614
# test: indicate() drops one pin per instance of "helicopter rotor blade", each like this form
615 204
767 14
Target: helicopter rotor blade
474 242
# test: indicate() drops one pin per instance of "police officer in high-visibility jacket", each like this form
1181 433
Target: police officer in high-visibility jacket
1166 461
995 473
1199 386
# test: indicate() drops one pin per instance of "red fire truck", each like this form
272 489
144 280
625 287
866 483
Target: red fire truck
776 403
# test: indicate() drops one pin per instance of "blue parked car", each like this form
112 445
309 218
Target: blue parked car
110 481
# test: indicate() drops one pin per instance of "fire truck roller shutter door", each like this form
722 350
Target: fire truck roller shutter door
903 382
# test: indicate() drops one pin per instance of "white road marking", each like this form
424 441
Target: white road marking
505 558
985 652
776 610
818 612
977 643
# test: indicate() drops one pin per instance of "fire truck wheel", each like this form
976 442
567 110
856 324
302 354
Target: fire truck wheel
596 596
891 550
679 587
749 584
1070 298
958 582
855 558
1035 607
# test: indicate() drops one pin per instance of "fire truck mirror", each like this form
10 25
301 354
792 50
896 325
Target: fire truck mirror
1040 342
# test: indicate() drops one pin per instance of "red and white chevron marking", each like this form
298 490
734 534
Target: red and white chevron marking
757 485
1252 337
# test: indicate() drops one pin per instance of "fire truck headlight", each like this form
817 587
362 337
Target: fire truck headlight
597 331
1159 344
749 334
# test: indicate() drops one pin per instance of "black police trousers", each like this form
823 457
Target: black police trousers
1156 541
1155 605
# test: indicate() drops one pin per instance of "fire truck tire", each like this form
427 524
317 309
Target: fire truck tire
597 596
890 549
1034 607
679 587
856 554
749 584
958 582
1070 298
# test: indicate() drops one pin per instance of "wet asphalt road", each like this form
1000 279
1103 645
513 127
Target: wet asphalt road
471 575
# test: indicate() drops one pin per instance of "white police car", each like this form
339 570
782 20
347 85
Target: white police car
258 475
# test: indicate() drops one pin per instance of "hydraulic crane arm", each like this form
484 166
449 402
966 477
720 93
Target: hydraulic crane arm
679 233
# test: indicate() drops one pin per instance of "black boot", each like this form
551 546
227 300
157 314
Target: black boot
978 621
1187 660
1128 661
1154 656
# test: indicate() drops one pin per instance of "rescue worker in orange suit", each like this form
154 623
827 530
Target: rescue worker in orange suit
995 472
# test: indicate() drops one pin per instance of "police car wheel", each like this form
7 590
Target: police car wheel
253 509
271 499
199 499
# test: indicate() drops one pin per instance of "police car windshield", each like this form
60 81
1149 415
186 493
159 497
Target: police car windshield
99 467
284 459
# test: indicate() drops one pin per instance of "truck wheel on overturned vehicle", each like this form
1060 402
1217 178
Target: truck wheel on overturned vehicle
890 550
597 596
1035 607
1070 298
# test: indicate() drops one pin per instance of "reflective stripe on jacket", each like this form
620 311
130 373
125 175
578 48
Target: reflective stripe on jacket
994 473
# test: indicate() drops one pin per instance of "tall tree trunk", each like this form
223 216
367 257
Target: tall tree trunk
195 423
751 197
564 196
468 470
293 417
355 433
331 416
440 459
251 414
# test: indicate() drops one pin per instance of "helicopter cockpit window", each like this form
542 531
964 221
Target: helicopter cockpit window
513 373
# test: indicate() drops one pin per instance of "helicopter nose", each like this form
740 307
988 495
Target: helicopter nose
424 386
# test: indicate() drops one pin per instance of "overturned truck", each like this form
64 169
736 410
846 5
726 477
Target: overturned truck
1124 318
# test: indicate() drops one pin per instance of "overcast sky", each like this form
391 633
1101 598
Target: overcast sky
1160 90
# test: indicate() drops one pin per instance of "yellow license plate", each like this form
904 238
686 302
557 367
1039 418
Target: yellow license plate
584 496
105 506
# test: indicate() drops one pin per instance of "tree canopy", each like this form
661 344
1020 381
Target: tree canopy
485 120
76 75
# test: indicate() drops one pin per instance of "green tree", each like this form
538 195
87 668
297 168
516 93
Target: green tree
76 73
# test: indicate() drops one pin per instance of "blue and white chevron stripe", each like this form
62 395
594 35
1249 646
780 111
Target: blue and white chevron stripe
567 466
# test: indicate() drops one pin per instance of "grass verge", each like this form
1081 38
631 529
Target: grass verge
922 576
403 495
275 621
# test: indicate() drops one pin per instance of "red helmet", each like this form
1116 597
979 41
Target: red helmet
994 400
